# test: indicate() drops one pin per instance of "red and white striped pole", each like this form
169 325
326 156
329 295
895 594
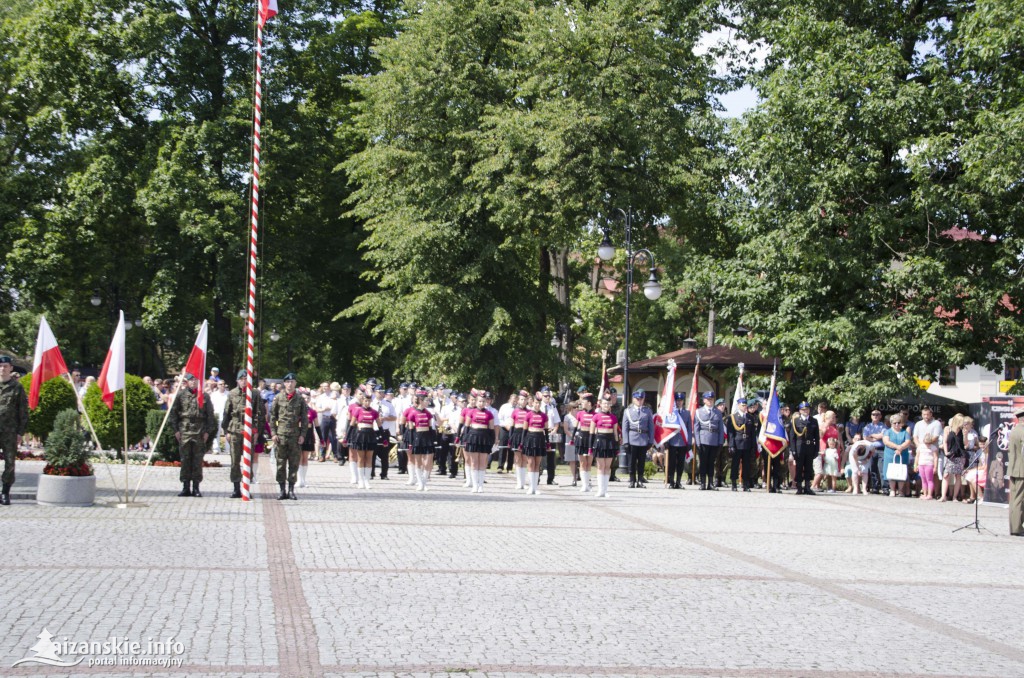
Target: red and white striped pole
267 9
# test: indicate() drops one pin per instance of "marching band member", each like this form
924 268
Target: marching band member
479 434
519 416
363 440
535 445
504 431
604 432
583 439
423 425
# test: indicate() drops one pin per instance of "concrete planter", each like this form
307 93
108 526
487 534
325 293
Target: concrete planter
66 490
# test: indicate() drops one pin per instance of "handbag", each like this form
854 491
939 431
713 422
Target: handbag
897 470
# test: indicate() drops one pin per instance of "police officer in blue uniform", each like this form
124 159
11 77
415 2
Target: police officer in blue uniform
637 436
708 435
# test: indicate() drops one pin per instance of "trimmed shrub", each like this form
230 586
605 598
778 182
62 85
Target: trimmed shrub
167 448
55 396
108 422
66 452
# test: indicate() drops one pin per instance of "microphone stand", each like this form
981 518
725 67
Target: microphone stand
977 498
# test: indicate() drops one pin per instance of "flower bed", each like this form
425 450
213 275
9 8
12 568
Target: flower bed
77 470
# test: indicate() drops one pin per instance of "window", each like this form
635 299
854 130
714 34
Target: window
1011 371
947 377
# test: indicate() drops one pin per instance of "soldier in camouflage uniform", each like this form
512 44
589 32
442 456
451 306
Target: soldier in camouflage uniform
288 423
233 423
192 424
13 422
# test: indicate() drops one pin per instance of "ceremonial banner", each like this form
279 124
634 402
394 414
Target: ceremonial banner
665 425
196 364
47 364
112 375
773 436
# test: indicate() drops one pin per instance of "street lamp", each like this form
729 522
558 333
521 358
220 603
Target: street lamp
652 288
95 300
274 336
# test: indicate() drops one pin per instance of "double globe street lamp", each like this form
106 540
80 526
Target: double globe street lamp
652 288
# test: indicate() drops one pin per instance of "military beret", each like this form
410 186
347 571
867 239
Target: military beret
189 376
289 377
6 360
581 389
241 375
720 401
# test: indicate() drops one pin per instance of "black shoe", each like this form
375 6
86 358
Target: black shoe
719 483
734 487
809 491
632 484
383 477
574 483
284 492
772 490
185 490
799 491
746 489
453 476
5 495
237 494
195 490
291 491
613 479
641 485
703 486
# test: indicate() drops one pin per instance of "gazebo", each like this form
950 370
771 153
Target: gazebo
649 374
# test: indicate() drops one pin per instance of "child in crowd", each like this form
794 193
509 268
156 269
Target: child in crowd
830 465
924 465
858 469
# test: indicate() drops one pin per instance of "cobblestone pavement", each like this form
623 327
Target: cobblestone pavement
394 582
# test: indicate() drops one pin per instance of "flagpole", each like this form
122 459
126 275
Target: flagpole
693 423
124 421
88 420
250 319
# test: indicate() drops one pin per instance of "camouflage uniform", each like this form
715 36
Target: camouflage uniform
288 421
13 422
191 420
233 423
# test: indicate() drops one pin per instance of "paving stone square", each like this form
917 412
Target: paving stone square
395 582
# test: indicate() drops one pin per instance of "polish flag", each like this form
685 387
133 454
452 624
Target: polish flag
665 425
691 406
112 376
47 364
196 364
268 9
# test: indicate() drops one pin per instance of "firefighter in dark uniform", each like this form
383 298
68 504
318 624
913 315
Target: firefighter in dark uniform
803 437
742 439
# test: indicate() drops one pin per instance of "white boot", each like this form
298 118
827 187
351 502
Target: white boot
480 475
302 475
605 479
421 480
355 473
414 474
366 477
585 477
470 478
520 477
534 482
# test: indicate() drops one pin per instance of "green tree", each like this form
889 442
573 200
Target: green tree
55 396
108 422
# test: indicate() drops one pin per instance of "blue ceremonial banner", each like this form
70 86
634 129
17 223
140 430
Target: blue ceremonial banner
773 432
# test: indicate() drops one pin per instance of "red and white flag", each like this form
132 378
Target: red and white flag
665 425
112 375
268 9
196 365
691 406
739 393
47 364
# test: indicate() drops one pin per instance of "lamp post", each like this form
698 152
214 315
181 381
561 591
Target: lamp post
652 288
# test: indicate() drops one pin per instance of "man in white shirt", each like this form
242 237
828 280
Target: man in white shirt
325 404
219 398
554 430
505 456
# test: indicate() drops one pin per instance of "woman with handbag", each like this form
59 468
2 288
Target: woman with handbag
955 457
897 456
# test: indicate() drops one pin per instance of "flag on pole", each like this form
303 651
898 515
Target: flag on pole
691 406
112 375
268 9
47 364
773 436
605 386
740 393
196 364
665 425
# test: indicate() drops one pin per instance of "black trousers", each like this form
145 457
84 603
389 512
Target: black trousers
550 462
637 457
329 437
707 456
749 466
448 444
380 452
676 464
777 470
441 449
804 467
506 456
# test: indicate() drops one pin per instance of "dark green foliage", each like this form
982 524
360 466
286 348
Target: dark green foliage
167 447
66 450
108 423
55 396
